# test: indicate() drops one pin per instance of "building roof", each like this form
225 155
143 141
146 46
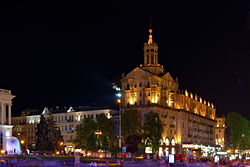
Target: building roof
30 112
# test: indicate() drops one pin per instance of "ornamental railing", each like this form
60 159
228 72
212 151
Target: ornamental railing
5 91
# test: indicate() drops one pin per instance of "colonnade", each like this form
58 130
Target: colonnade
5 114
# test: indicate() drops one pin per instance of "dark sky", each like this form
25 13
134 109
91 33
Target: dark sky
68 53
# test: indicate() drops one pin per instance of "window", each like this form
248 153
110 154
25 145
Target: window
140 94
148 93
152 59
128 86
66 128
140 84
135 85
152 50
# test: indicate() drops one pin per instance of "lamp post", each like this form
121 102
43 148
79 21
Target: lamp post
120 123
22 145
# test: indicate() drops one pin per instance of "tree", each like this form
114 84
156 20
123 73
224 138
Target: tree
88 139
239 131
131 129
54 134
48 136
153 130
131 123
132 142
85 135
91 142
107 128
42 135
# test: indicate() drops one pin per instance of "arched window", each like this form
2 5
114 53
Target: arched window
172 142
167 141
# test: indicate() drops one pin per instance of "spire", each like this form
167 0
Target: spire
150 38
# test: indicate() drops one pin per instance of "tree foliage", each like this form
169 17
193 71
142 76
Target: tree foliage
54 134
153 130
87 139
239 131
84 131
132 142
42 134
107 128
131 129
48 136
131 123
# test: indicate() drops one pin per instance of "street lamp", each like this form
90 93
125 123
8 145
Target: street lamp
22 146
119 95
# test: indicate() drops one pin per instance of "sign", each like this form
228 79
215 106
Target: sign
221 153
123 149
171 158
188 146
148 150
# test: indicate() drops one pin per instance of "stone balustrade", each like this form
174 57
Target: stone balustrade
5 91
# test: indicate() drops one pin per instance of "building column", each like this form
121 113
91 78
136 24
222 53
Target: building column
2 113
9 110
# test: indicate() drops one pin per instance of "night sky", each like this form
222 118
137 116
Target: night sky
68 53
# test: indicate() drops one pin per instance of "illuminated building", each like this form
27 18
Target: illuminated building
186 117
66 120
8 143
220 131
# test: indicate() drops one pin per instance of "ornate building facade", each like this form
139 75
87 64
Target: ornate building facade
186 117
220 131
8 143
66 120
